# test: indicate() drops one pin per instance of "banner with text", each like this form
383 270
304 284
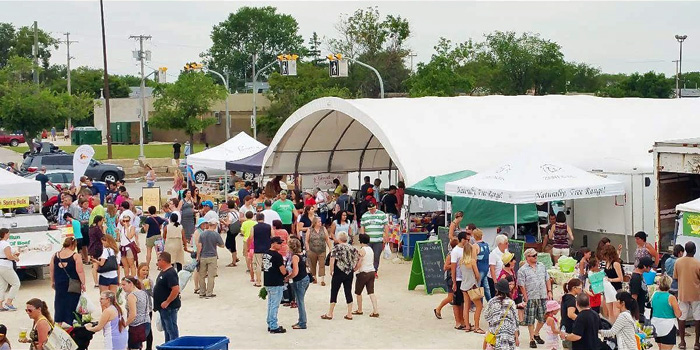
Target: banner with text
81 160
14 202
323 181
36 248
691 224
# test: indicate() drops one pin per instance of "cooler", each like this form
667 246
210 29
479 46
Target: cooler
196 343
409 242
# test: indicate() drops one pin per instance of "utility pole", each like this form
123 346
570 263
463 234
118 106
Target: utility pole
411 54
105 80
228 114
68 58
36 53
677 91
141 56
680 39
254 120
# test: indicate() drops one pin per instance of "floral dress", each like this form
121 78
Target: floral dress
345 257
111 225
505 334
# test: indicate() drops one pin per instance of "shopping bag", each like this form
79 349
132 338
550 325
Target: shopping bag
85 306
387 251
60 340
156 320
184 277
160 245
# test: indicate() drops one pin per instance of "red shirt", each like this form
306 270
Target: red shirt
310 201
595 300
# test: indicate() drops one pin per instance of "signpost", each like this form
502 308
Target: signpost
427 267
151 197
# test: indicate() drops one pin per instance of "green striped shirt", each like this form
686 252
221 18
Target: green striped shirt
374 225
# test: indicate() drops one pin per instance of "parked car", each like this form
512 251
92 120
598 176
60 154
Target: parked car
10 138
202 174
64 161
62 178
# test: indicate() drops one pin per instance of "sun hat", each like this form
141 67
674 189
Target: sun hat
552 305
507 257
208 204
201 221
503 286
530 251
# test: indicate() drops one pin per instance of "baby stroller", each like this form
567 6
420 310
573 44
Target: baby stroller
607 343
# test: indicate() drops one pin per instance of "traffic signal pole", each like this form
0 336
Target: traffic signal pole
255 92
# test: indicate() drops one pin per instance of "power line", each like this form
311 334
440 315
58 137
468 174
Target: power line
141 56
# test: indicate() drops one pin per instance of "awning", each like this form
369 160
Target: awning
237 147
12 185
479 212
251 164
526 179
692 206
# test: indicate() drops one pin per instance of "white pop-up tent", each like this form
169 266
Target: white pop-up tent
12 185
237 147
526 179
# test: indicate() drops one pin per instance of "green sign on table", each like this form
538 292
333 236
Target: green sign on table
691 224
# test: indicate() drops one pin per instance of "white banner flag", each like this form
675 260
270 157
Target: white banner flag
81 160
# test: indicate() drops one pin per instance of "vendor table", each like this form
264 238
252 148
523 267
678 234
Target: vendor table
409 242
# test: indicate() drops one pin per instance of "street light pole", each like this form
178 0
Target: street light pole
228 116
255 92
381 82
680 39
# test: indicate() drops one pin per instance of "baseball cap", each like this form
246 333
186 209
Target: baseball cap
208 203
371 205
201 221
530 251
277 240
283 192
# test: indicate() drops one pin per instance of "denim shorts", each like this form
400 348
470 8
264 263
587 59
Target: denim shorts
104 281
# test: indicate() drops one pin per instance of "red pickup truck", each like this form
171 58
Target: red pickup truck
12 139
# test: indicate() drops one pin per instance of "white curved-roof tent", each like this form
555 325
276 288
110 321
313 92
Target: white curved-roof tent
437 135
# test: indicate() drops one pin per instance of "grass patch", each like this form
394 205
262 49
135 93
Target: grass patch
125 151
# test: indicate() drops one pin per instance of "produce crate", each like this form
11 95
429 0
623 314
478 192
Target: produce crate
196 343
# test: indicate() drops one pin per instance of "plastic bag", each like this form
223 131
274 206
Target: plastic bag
85 306
184 277
160 245
567 264
156 320
387 251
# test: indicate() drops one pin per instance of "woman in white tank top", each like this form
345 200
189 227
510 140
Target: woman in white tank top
365 276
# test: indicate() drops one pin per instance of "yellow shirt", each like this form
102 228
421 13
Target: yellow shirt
247 228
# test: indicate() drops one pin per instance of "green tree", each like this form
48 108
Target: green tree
649 85
287 94
252 30
366 33
184 104
91 81
20 42
443 75
583 78
314 49
689 80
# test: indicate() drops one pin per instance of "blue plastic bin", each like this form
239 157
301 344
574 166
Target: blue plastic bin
196 343
649 277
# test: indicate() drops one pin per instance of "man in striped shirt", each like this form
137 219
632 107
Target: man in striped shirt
375 224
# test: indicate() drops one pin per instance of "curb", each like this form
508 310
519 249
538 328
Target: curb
140 179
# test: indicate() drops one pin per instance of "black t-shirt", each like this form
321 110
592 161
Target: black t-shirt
639 287
390 201
164 283
43 179
261 237
567 301
364 188
302 268
586 326
305 221
154 222
176 147
271 262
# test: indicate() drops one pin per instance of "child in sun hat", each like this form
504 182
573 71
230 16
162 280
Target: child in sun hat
552 340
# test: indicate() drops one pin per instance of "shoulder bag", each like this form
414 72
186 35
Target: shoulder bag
490 338
474 294
74 285
109 265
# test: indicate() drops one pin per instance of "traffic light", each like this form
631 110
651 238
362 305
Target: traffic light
192 66
337 66
288 64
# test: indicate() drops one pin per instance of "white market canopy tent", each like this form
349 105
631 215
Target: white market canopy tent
437 135
12 185
237 147
692 206
526 179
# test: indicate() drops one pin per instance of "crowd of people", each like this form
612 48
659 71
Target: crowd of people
289 238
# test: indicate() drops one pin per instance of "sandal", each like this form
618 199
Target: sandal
460 328
326 317
196 291
347 318
681 346
374 314
231 265
297 326
357 312
439 316
257 285
479 331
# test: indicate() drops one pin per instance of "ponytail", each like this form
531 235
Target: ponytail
41 305
630 304
573 283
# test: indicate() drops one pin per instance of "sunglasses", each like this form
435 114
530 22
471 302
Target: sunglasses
533 256
29 310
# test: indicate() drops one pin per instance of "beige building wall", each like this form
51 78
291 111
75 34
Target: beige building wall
240 107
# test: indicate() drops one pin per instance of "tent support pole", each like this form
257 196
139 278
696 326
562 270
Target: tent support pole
362 159
330 158
226 186
515 221
447 218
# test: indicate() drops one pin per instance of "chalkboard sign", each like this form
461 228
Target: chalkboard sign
444 237
427 267
517 248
